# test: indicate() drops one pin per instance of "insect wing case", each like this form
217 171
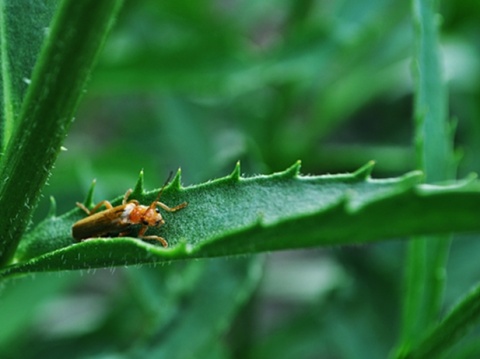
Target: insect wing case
101 224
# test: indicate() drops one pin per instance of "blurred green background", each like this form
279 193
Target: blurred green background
202 84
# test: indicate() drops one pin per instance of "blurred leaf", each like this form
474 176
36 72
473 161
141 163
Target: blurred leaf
329 330
462 272
469 349
427 257
222 288
459 321
358 312
18 294
152 313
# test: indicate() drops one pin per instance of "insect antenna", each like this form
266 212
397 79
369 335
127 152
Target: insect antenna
154 203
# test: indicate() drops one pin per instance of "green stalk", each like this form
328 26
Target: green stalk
450 330
66 59
7 101
426 258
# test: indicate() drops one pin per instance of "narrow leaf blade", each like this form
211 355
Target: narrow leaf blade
57 83
281 211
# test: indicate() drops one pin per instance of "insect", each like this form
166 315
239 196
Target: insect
119 220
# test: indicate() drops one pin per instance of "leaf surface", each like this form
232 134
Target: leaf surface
236 215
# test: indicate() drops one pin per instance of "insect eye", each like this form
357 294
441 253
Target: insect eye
157 210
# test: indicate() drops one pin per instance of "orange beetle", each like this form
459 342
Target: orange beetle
118 220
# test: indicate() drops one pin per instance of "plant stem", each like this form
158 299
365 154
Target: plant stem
7 101
66 59
452 328
426 258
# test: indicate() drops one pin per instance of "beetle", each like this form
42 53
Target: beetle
118 220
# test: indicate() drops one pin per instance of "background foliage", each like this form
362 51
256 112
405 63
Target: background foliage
201 85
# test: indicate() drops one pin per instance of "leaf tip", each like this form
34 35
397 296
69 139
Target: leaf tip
139 186
235 175
365 171
293 171
89 199
176 183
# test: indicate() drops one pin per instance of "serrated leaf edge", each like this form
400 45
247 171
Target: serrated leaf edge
139 186
176 183
89 198
236 173
365 171
293 171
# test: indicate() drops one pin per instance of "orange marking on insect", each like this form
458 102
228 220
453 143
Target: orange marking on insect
118 220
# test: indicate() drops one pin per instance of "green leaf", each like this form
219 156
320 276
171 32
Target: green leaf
433 132
222 288
152 312
17 294
425 278
236 215
67 56
449 331
23 27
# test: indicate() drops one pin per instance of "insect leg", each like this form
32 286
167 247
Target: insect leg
126 196
157 238
94 209
171 209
